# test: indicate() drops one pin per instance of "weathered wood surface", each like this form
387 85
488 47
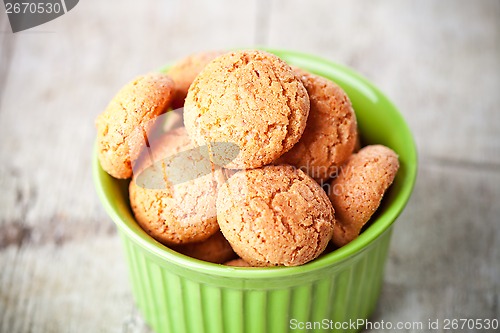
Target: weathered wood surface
62 268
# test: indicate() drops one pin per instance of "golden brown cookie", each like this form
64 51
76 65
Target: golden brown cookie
331 130
121 127
171 120
185 71
358 190
215 249
173 199
237 263
252 99
275 215
357 146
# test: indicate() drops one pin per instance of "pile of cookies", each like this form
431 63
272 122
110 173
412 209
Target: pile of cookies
266 171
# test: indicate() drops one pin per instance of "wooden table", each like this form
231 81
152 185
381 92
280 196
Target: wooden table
62 268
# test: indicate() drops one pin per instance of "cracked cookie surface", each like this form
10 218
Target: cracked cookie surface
252 99
185 71
215 249
331 131
128 116
358 190
275 216
173 191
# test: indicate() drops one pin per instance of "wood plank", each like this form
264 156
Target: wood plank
444 260
438 61
62 268
65 74
6 49
79 286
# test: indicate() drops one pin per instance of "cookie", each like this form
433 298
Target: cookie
358 145
185 71
171 120
331 131
358 190
173 191
215 249
237 263
275 216
121 127
252 99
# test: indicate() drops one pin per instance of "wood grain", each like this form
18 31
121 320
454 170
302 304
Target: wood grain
62 265
437 60
444 257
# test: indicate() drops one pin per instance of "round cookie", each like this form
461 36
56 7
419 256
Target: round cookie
275 215
252 99
185 71
331 131
121 127
358 190
237 263
173 191
215 249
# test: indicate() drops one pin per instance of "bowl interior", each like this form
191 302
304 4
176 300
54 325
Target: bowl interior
379 123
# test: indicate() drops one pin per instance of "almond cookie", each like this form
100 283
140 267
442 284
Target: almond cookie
185 71
275 215
357 146
358 190
252 99
331 131
215 249
173 191
134 107
237 263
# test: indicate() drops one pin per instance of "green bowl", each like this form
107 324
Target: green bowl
179 294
